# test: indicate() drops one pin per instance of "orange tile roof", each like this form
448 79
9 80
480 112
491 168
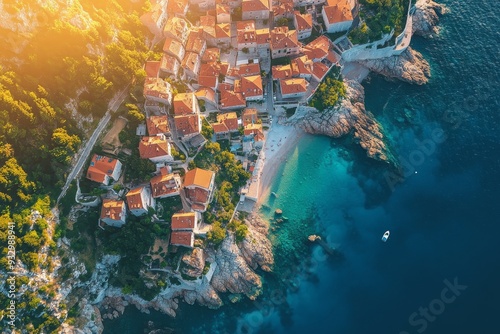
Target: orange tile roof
198 178
100 166
112 209
223 30
156 87
249 69
152 68
187 124
209 69
176 26
338 11
168 63
206 93
229 119
249 116
153 147
304 21
283 9
182 238
207 21
191 61
177 6
246 31
211 55
173 47
183 220
333 57
282 37
230 99
222 9
219 127
291 86
254 5
134 198
255 130
195 42
263 36
183 103
157 125
249 86
319 70
164 184
318 48
301 66
282 72
207 81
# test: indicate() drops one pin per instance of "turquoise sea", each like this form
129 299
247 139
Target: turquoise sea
440 269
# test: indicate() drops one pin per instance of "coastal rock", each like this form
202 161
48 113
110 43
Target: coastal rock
410 67
426 17
195 262
349 115
256 248
313 237
233 274
205 295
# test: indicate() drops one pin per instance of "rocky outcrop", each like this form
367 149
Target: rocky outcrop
256 248
426 17
410 67
349 116
194 262
233 273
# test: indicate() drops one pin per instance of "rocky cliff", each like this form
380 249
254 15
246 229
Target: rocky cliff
410 67
426 17
349 116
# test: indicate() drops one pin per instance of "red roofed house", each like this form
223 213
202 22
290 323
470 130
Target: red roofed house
211 55
302 67
158 90
255 9
318 49
182 238
246 36
223 34
220 131
169 65
319 71
165 184
186 103
139 200
176 28
113 212
263 39
177 8
230 119
187 125
223 13
254 133
196 43
293 88
282 9
303 24
282 72
156 148
102 169
250 87
206 94
203 5
246 70
249 116
199 186
230 100
284 42
337 15
158 125
191 65
156 19
185 221
207 25
174 48
152 68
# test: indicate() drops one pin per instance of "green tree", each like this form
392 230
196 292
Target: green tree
217 234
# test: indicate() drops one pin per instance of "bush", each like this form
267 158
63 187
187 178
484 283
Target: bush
217 234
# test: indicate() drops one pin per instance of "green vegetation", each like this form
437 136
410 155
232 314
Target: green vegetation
240 229
379 17
329 92
216 234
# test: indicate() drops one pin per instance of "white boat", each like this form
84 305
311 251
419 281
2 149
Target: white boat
386 236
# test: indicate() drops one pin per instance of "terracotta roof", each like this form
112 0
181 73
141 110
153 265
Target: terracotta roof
177 6
282 38
249 69
318 48
282 72
338 11
292 86
191 61
255 130
195 41
176 26
230 119
157 125
222 9
153 147
198 178
230 99
156 87
219 127
164 183
211 55
208 81
183 238
184 103
197 196
173 47
249 86
112 209
134 198
254 5
206 93
249 116
187 124
183 220
263 36
246 31
283 9
319 70
304 21
209 69
223 30
152 68
207 21
301 66
333 57
100 166
169 63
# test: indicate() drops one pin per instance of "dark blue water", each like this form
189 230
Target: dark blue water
444 216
